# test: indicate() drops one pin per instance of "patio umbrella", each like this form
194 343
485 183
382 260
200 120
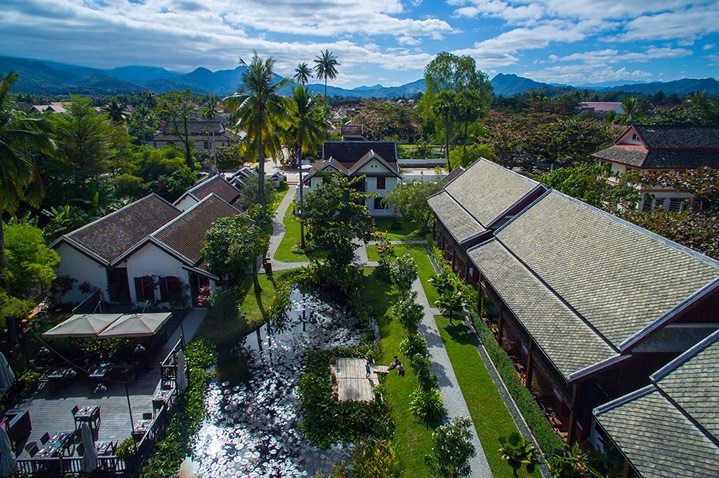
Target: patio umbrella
89 457
136 325
82 325
7 377
181 379
8 464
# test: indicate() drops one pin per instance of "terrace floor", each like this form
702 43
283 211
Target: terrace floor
352 380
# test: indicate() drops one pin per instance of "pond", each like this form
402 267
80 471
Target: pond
252 425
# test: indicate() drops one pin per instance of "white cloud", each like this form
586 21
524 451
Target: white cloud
708 46
603 57
408 41
686 25
583 74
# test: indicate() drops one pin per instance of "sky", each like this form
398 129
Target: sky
388 42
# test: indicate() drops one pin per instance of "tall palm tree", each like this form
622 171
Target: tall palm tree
469 103
306 133
326 67
21 138
630 108
116 111
303 73
259 110
444 106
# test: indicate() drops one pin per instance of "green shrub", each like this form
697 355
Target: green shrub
408 313
426 404
126 448
452 449
413 345
547 439
427 379
403 272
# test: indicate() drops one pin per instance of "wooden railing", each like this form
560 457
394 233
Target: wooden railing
68 466
168 367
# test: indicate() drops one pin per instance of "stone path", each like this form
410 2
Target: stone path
448 384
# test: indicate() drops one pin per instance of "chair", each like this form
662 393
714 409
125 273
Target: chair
32 448
80 449
75 409
45 438
147 416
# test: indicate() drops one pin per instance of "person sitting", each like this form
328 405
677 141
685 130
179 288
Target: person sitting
394 364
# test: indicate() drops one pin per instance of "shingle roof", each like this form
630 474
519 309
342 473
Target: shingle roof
623 155
217 185
459 222
563 336
455 172
352 151
619 277
111 236
186 234
199 126
656 427
657 438
678 136
487 190
351 130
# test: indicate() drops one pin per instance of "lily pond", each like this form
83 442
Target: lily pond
252 424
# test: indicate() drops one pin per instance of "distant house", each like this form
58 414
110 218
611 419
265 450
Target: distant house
589 305
52 107
215 184
206 135
376 160
239 177
603 108
670 427
662 148
352 132
146 251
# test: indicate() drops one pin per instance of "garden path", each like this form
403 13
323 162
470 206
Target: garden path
448 384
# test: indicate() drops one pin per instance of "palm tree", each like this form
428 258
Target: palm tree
21 138
306 132
469 103
630 108
325 66
258 110
116 111
303 73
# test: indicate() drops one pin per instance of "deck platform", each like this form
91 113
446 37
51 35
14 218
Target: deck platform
352 381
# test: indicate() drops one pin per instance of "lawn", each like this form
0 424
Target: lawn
408 231
424 266
412 439
489 413
292 235
281 193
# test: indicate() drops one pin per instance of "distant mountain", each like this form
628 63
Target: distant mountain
509 85
680 87
377 91
138 74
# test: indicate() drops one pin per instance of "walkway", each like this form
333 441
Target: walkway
448 384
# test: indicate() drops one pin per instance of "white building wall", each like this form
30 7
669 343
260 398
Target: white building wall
81 268
150 260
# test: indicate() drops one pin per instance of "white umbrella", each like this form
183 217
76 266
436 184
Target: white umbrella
8 464
89 457
82 325
7 377
136 325
181 379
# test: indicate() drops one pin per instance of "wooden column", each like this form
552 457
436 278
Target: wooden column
501 325
572 414
434 229
530 365
480 295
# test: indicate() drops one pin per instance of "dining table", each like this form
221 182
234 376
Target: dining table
88 414
56 445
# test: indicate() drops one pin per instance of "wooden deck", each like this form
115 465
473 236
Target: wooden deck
352 381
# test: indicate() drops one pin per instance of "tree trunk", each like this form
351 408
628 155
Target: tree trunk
446 136
255 278
466 124
326 104
261 161
10 320
302 225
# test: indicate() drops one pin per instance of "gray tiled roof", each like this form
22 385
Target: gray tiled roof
217 185
459 222
564 337
111 236
623 155
678 136
486 190
660 158
186 234
693 385
657 438
349 152
619 277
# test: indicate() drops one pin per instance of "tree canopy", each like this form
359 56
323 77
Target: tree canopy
233 244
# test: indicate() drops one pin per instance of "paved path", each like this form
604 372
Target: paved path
448 385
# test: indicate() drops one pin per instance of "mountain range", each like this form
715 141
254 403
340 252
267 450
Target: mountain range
53 78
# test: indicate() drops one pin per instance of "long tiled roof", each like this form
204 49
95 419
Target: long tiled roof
186 234
657 438
674 159
486 190
656 427
679 136
459 222
563 336
622 155
113 235
619 277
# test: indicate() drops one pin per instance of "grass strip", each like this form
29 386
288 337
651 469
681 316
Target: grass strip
292 236
489 413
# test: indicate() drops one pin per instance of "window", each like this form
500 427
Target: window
378 203
144 288
381 182
675 204
658 202
170 289
117 286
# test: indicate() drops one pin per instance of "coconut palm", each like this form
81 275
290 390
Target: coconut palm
259 110
303 73
306 132
116 111
326 67
630 108
21 138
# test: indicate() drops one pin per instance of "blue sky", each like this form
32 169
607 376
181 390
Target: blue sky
377 41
